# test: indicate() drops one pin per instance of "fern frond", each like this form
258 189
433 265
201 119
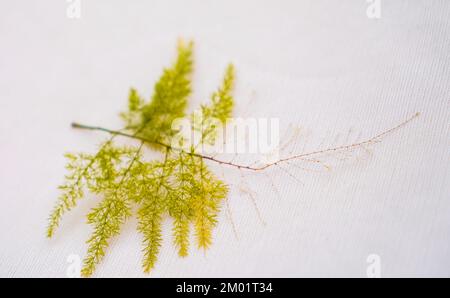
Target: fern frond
133 116
150 218
115 207
67 200
107 219
180 203
216 113
73 189
222 99
95 172
169 100
181 185
206 205
181 230
152 196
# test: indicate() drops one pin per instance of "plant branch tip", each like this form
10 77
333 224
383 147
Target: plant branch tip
182 185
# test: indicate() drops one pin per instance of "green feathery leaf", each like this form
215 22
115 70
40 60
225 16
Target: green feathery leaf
170 96
134 114
180 186
150 220
107 219
222 100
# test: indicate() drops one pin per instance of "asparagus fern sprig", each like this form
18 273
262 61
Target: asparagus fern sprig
180 186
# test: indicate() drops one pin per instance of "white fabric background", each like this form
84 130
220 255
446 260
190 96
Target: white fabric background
321 65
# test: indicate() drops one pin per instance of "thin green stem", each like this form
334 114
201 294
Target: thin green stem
302 156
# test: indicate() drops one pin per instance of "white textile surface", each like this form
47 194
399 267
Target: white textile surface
337 70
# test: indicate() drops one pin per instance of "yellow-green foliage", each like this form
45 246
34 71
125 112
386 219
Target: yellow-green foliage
180 185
